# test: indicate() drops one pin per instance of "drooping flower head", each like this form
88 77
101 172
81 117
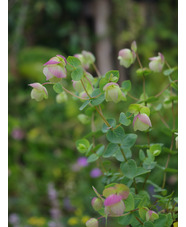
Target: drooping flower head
113 93
92 222
151 215
97 203
86 58
156 63
54 69
39 92
114 205
141 122
126 57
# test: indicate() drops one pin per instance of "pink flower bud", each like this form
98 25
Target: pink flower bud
93 222
114 205
113 93
151 215
55 69
126 57
156 63
89 57
38 92
141 122
97 203
134 46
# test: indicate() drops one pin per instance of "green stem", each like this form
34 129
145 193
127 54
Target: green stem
134 181
106 218
96 69
132 97
157 95
69 92
123 154
138 59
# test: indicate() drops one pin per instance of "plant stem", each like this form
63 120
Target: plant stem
89 81
106 221
146 178
132 97
96 69
137 56
73 94
123 153
106 122
101 115
134 181
167 162
139 220
144 93
85 89
157 95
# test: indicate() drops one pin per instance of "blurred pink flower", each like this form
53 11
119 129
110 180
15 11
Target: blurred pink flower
96 172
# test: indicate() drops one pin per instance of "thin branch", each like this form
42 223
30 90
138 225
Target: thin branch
96 69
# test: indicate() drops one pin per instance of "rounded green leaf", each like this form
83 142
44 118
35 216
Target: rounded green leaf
77 73
92 158
111 150
116 136
129 168
124 120
58 88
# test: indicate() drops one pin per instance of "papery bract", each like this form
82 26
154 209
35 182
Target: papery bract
97 203
156 63
55 69
114 205
151 215
126 57
39 92
113 93
141 122
93 222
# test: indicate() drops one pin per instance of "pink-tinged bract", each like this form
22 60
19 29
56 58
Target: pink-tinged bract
38 92
126 57
112 199
156 63
141 122
55 69
92 222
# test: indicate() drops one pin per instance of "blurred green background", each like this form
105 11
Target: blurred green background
47 187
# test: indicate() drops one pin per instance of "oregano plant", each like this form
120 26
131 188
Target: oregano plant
124 196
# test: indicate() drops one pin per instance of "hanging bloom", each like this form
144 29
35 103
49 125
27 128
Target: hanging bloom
141 122
92 222
113 93
157 63
55 69
86 58
97 203
38 92
114 205
126 57
89 57
151 215
134 46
